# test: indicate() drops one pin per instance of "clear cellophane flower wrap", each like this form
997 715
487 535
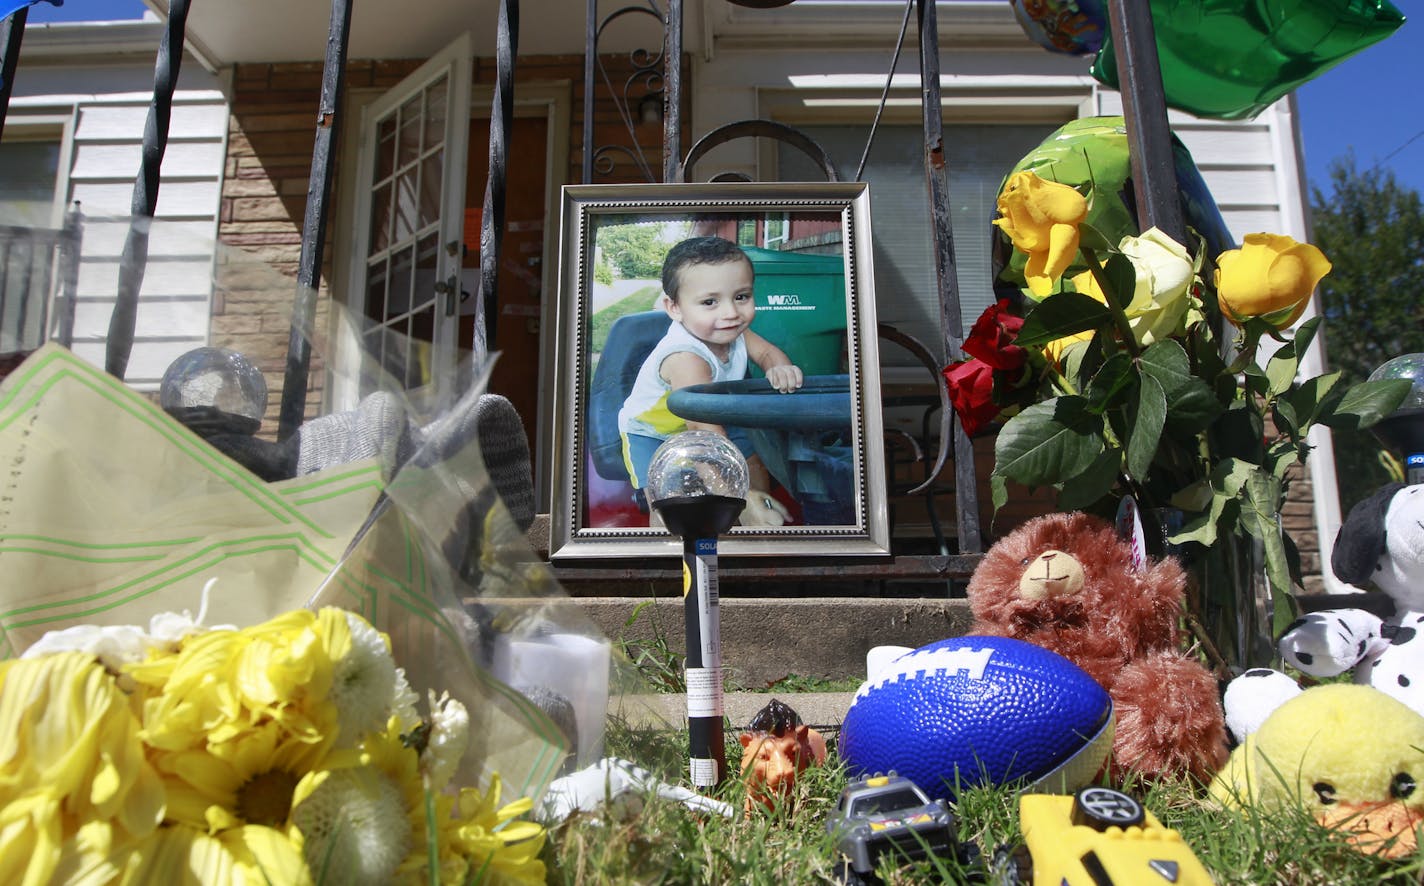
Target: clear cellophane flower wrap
111 512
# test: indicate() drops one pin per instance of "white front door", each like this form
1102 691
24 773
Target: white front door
405 264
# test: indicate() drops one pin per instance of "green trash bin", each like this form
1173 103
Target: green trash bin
801 308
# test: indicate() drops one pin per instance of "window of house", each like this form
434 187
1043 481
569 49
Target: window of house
777 227
29 169
979 155
746 232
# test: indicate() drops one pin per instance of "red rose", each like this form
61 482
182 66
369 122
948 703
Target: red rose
992 338
971 391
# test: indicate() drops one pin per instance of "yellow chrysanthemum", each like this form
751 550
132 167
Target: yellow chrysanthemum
266 856
221 684
30 837
69 754
183 856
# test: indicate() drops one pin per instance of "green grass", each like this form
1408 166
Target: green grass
644 299
662 842
800 683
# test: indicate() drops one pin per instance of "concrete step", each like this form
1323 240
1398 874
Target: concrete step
823 711
765 639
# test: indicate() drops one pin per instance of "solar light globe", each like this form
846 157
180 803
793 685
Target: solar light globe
697 482
1403 429
214 390
697 463
1410 366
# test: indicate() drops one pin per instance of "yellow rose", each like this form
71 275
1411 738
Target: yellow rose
1271 276
1041 218
1055 349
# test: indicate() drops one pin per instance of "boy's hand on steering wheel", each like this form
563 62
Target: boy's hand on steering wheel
784 378
763 510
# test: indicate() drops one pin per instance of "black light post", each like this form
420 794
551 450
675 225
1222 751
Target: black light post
697 483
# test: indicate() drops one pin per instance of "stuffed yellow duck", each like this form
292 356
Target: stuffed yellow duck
1351 755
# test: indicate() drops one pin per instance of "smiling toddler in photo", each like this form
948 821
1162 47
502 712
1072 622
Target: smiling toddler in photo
707 291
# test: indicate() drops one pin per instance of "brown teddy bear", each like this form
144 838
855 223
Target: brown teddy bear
1066 582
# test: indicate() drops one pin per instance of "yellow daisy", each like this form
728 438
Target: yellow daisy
486 837
251 782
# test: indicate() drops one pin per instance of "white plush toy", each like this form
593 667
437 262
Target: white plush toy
1381 543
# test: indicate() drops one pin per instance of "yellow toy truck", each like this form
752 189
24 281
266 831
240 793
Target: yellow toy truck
1097 837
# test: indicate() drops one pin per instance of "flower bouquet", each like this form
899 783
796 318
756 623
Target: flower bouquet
1145 373
345 726
287 752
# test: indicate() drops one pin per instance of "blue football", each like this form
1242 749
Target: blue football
979 710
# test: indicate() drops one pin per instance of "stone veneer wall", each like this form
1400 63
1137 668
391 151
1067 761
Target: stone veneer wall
1298 519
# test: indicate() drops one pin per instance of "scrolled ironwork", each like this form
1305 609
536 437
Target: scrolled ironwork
492 215
12 34
134 261
759 129
647 81
314 222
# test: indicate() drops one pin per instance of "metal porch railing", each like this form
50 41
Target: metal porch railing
1144 108
39 274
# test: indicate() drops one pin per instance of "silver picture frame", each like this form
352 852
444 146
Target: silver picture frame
810 246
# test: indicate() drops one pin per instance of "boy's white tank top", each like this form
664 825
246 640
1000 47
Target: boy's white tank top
645 411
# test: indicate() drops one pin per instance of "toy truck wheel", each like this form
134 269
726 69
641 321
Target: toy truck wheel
847 875
1102 808
1012 866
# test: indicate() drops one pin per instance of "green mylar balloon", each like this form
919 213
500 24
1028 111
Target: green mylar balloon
1091 155
1231 59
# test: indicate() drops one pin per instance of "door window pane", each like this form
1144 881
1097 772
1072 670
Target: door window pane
411 126
430 182
435 101
380 219
386 148
405 208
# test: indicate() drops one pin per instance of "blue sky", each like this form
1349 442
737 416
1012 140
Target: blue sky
87 10
1370 102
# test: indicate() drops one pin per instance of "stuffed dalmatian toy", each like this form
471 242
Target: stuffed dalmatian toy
1381 543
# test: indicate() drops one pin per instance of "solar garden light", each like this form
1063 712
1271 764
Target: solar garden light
697 482
1403 429
214 391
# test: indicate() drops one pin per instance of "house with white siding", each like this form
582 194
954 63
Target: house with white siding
73 134
238 161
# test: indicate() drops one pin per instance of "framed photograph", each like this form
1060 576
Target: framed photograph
768 338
